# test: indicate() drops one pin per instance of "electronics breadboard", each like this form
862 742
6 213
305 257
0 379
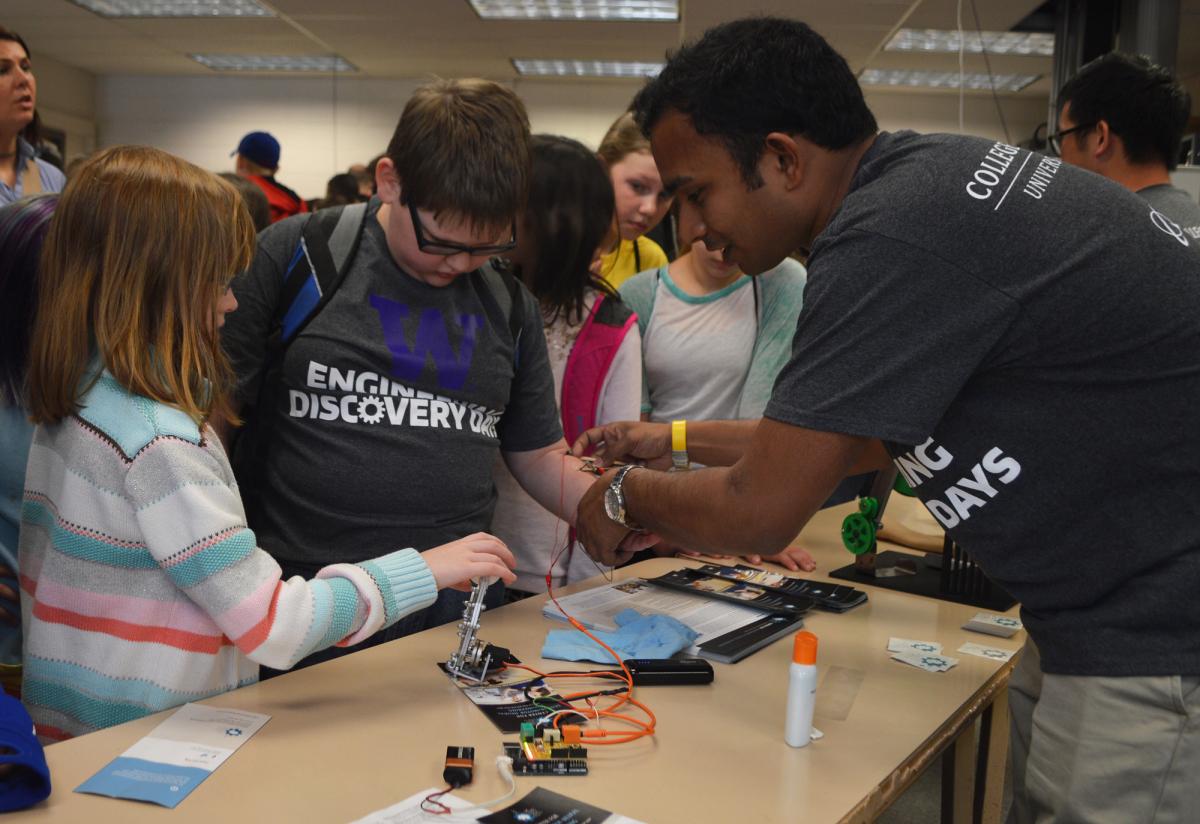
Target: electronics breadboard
545 753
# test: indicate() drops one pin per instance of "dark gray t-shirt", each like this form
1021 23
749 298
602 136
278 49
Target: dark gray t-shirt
395 399
1026 341
1179 207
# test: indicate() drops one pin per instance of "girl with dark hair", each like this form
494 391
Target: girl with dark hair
593 339
21 172
23 228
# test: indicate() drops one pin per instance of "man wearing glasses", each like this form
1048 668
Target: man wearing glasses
1123 117
396 396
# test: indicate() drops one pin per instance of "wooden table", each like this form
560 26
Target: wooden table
359 733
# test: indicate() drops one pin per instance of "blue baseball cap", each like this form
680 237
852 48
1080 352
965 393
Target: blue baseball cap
260 148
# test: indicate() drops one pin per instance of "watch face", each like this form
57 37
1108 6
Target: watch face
612 504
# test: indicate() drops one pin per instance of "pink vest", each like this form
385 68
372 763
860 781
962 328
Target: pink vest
589 362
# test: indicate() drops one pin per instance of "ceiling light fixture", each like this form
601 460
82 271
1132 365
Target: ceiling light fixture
274 62
586 68
946 80
655 10
1035 43
175 8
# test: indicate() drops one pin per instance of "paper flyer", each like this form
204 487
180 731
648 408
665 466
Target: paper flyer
165 766
509 697
544 806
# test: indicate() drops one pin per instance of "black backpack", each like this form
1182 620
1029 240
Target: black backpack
328 243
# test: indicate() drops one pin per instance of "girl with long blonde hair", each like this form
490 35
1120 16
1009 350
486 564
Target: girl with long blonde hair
142 587
641 201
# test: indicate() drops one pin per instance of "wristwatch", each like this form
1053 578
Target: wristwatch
614 499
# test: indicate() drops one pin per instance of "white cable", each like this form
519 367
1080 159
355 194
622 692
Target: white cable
961 73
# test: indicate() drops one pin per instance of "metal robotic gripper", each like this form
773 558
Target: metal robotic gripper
474 657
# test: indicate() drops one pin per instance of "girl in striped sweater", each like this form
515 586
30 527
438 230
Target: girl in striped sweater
142 587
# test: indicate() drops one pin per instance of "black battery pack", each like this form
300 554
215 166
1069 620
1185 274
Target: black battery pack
649 672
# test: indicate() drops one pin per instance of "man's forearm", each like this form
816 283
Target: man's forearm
756 506
719 443
724 443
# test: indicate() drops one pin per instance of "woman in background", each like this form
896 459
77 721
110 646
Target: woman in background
640 201
21 172
592 338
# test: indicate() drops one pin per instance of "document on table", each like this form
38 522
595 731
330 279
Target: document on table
409 810
537 807
177 755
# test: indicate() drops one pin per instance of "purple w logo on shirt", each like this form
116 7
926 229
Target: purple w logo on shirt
432 342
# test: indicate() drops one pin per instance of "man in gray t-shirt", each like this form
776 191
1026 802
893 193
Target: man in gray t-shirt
1019 337
1123 117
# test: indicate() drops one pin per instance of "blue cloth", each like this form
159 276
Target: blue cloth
29 781
637 636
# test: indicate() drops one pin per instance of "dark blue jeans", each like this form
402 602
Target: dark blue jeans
447 609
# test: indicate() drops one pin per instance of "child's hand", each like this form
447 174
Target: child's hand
475 556
794 558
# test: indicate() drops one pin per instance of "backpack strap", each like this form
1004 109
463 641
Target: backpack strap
505 292
328 242
588 362
327 245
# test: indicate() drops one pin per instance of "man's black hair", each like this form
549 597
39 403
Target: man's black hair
747 78
1142 103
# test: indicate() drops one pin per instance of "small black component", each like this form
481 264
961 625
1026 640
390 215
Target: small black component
460 761
697 582
650 672
572 751
500 655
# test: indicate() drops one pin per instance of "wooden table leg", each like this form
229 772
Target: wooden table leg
993 761
958 777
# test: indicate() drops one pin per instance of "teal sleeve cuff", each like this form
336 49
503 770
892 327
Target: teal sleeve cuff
405 582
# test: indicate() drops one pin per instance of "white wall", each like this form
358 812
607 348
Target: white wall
324 124
67 101
938 112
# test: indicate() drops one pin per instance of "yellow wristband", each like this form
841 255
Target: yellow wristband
679 455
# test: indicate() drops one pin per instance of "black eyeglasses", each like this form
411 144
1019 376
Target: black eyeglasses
1055 139
446 248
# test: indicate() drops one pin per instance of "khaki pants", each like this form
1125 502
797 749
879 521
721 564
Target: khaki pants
1090 749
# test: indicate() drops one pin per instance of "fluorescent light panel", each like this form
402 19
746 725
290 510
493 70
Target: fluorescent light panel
274 62
659 10
1039 44
175 8
946 80
586 68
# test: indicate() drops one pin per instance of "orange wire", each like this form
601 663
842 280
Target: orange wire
614 736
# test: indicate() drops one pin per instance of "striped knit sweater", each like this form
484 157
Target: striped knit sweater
142 587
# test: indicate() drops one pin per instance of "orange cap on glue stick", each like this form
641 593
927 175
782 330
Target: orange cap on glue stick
805 649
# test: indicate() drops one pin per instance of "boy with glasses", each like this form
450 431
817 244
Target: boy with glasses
395 396
1123 117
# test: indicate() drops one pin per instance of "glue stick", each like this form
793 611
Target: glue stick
802 690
